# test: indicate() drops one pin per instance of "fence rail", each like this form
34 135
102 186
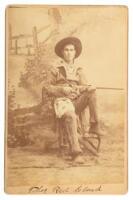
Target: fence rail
30 48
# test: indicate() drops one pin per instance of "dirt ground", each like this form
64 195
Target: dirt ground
32 166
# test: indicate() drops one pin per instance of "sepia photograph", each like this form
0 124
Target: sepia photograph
66 99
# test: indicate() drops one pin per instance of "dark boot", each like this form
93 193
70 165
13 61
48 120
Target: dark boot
94 128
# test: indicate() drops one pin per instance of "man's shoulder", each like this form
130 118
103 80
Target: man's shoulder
54 70
80 70
78 66
56 66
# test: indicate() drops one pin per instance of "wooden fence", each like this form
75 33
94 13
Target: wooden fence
32 47
28 48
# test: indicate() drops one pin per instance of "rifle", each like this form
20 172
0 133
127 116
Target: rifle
109 88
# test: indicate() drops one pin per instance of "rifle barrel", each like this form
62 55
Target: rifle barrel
108 88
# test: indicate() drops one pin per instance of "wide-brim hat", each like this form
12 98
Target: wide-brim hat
69 40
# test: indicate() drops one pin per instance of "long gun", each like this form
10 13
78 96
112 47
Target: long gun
109 88
100 88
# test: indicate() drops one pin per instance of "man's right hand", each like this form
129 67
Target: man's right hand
70 92
67 90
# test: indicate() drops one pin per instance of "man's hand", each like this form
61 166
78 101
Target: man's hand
89 88
67 90
70 92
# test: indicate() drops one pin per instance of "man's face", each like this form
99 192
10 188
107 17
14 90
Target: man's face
69 52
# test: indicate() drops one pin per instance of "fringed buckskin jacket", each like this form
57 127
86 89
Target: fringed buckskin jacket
64 76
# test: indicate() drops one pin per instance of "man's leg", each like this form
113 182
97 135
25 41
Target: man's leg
88 98
70 122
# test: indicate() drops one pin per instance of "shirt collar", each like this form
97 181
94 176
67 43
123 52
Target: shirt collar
66 65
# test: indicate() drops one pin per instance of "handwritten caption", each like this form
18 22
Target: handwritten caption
64 190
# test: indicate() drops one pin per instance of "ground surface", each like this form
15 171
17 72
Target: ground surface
32 166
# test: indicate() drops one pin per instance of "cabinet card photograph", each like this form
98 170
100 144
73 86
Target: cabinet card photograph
66 99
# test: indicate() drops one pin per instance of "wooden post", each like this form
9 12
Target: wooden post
28 50
16 46
35 39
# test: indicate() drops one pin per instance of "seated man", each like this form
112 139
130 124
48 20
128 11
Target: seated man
68 85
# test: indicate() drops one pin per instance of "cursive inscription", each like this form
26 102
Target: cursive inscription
37 189
85 189
60 190
65 190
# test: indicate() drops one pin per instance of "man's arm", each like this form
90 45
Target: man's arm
82 77
83 83
51 88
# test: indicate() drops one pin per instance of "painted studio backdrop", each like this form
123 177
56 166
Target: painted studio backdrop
31 140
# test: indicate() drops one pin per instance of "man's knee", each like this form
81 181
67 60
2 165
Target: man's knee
69 116
91 89
91 92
